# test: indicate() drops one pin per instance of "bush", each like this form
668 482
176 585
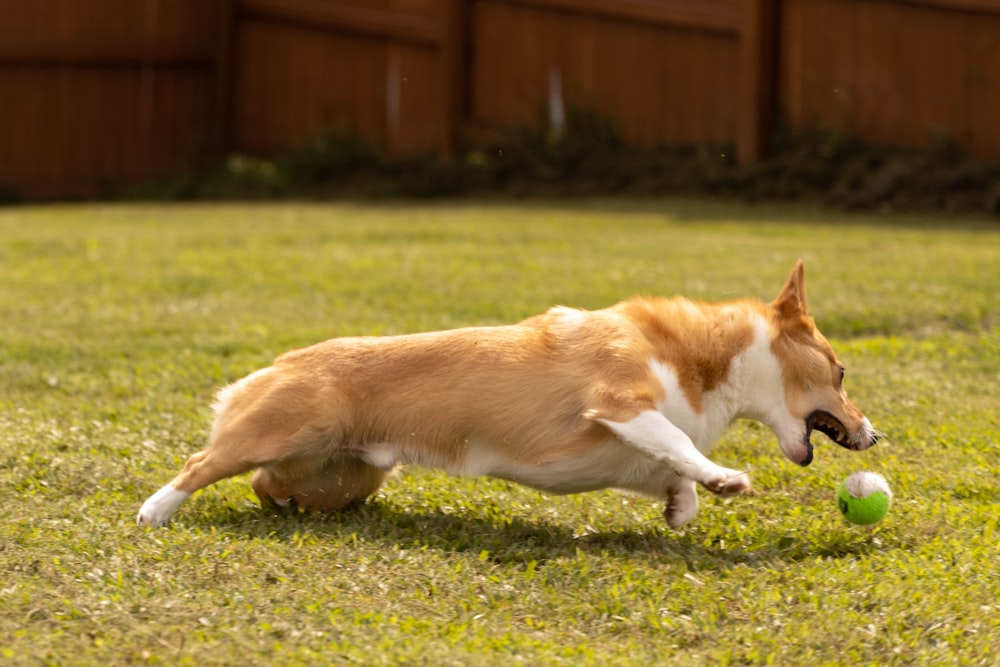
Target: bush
590 157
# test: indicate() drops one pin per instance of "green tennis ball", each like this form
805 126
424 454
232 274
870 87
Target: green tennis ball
864 498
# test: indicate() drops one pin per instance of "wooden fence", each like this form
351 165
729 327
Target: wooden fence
907 72
95 93
388 70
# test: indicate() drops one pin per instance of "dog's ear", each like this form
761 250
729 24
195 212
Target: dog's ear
791 301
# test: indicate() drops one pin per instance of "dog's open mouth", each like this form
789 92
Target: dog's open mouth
829 426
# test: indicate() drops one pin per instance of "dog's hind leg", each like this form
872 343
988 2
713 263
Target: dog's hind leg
223 458
267 419
236 446
204 468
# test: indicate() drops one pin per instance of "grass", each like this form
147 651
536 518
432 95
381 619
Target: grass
117 322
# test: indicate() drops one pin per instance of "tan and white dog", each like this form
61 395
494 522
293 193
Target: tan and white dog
630 397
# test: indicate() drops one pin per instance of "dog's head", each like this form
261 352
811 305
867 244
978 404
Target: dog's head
813 377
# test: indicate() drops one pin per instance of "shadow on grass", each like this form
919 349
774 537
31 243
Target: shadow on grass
511 540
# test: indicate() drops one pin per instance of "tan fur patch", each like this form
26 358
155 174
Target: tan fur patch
697 340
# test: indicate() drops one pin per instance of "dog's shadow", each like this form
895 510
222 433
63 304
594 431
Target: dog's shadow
513 540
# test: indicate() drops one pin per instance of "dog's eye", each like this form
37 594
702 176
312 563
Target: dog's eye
843 371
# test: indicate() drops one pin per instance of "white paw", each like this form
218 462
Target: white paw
682 504
729 483
160 506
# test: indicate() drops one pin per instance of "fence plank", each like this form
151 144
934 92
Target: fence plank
718 16
661 82
103 92
223 78
356 19
757 78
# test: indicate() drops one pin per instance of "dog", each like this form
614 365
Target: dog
630 397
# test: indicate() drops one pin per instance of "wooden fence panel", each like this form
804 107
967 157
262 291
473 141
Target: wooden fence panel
305 68
917 73
661 76
94 93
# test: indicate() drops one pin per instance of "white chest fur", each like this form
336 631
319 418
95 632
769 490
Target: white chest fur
751 387
703 426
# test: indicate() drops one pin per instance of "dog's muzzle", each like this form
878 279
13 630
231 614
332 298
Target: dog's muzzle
833 428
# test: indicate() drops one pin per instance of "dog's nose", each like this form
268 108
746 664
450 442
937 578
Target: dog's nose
868 430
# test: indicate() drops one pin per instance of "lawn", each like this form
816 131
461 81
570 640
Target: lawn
118 322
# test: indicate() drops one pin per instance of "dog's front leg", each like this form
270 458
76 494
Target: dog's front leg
655 435
682 503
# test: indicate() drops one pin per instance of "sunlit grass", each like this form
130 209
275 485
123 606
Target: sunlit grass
118 322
